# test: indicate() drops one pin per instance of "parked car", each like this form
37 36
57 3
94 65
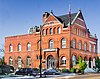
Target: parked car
51 72
6 69
26 71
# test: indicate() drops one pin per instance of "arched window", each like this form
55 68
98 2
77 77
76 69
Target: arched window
63 43
10 48
51 31
80 45
90 47
73 60
74 43
58 30
63 60
10 61
28 46
28 61
19 62
19 47
51 44
85 46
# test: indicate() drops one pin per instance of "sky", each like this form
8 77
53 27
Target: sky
17 16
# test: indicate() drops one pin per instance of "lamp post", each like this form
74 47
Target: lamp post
40 51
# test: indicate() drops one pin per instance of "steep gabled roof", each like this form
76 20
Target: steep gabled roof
64 18
51 14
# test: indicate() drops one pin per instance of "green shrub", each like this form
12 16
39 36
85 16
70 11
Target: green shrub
82 65
97 64
65 70
73 70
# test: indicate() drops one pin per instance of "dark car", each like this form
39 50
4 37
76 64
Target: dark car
6 69
26 71
51 72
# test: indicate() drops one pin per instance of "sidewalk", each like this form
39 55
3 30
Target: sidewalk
71 76
58 77
66 75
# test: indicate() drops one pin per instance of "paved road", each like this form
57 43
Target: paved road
86 76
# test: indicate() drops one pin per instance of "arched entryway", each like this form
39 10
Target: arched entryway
90 62
50 62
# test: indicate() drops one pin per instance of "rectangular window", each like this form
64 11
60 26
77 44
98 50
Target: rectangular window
94 49
90 48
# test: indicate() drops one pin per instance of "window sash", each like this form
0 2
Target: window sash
90 48
51 31
63 43
11 48
19 47
28 61
51 44
80 46
85 46
29 47
58 30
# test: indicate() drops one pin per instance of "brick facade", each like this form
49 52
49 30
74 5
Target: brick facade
62 43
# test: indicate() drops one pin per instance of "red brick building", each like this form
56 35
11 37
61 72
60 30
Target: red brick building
64 39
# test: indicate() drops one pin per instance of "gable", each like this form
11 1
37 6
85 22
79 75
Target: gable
80 23
51 20
79 20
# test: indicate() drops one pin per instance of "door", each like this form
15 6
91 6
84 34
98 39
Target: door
50 62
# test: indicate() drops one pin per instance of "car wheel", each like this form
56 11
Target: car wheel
28 74
53 73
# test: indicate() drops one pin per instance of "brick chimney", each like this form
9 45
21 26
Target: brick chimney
45 16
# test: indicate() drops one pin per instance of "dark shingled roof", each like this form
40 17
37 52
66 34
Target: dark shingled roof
64 18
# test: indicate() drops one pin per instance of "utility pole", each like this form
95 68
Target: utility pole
70 33
40 51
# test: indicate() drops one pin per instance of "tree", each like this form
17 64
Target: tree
97 63
2 61
82 65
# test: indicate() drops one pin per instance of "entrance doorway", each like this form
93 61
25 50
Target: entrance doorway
50 62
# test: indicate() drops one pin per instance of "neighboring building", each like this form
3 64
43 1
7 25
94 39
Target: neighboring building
64 39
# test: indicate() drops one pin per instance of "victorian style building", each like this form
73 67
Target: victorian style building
63 40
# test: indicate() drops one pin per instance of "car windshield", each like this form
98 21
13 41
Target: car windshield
20 70
51 70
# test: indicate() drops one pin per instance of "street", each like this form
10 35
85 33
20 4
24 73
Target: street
85 76
63 76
